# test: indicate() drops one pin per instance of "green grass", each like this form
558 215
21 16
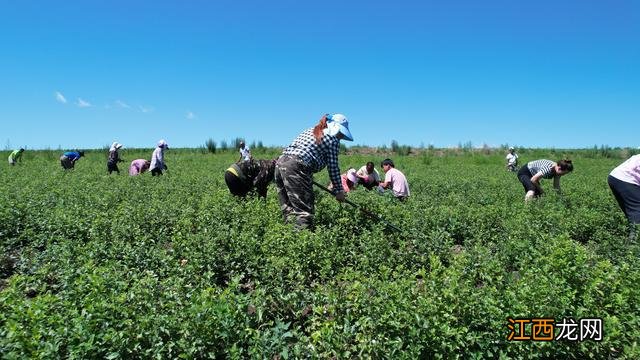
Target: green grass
98 266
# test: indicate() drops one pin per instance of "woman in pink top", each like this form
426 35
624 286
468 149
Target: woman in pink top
395 180
624 182
139 166
349 181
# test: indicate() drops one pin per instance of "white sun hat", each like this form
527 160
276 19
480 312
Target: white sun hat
351 175
163 144
338 123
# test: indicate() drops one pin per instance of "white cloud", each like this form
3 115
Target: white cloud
83 104
190 115
60 97
146 109
122 104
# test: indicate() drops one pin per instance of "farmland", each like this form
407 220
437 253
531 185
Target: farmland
98 266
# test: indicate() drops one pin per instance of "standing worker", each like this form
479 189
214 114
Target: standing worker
624 182
69 158
245 153
530 175
512 160
245 176
309 153
114 158
395 180
15 156
157 159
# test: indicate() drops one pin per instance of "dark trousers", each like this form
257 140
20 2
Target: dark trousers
524 175
111 167
628 197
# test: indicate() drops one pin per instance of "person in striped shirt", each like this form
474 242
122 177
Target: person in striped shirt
313 150
531 174
624 182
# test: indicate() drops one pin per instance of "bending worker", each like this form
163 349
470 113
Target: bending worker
309 153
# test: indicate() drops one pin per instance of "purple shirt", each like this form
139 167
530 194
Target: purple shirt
138 166
628 171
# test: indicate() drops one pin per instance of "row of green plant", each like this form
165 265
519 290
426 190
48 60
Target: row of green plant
99 266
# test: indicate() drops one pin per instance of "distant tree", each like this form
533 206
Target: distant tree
223 145
395 147
236 142
211 145
343 149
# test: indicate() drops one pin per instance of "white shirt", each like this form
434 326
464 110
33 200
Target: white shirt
245 153
157 159
363 172
512 158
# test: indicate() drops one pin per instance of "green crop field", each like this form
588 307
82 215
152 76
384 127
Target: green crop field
98 266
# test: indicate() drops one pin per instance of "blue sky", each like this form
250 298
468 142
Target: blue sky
81 74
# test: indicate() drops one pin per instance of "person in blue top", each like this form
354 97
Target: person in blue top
69 158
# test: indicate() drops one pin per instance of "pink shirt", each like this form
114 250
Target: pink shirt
398 182
628 171
138 166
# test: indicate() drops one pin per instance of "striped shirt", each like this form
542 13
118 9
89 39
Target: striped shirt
317 156
544 166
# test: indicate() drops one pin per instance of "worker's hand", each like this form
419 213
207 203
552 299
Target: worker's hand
340 196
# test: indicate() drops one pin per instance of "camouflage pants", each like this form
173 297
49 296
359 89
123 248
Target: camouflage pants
294 183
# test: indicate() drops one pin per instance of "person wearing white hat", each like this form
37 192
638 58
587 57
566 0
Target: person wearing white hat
313 150
512 160
114 158
157 159
349 180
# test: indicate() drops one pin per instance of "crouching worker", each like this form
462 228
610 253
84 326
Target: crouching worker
530 175
349 181
395 180
368 176
247 175
138 166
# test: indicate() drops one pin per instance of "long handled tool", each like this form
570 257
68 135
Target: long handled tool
367 212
